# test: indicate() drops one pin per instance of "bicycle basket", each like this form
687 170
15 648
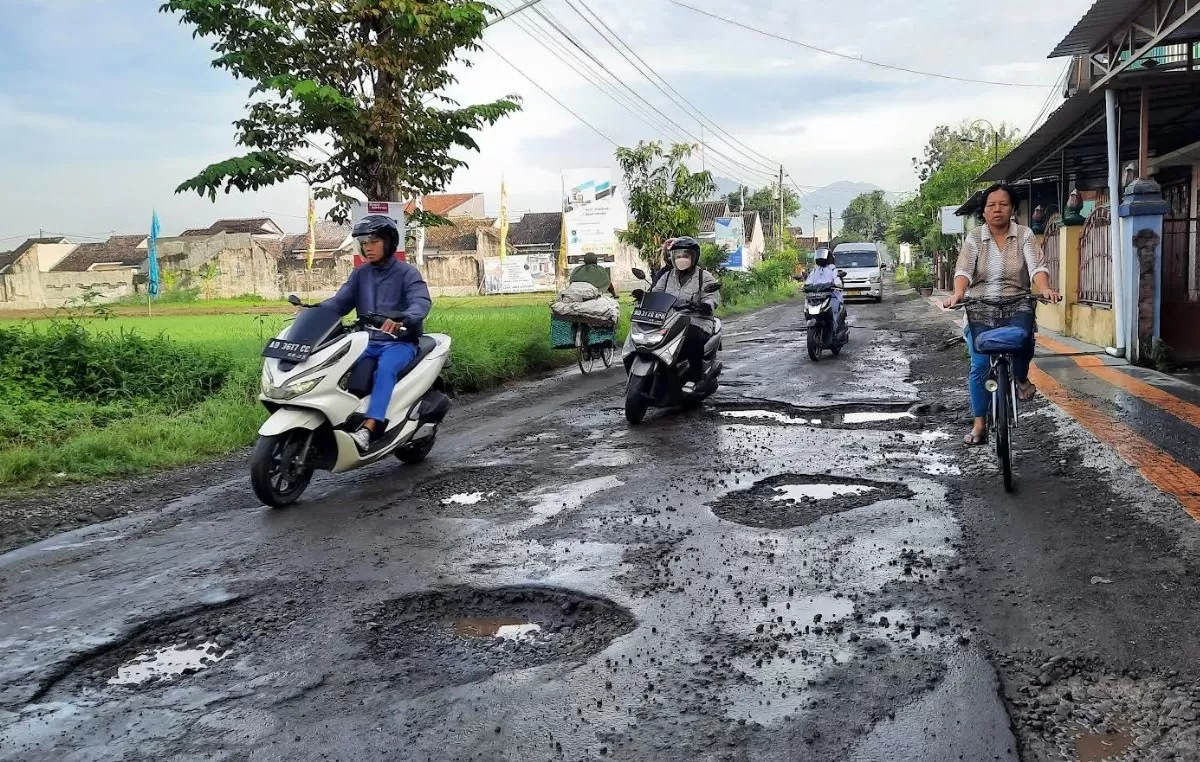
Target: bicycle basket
997 328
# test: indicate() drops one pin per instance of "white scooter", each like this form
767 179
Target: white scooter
317 389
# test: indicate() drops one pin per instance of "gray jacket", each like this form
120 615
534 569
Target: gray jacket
691 290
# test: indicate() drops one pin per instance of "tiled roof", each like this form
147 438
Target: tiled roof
441 204
709 212
7 258
749 220
330 237
31 242
460 236
536 229
122 249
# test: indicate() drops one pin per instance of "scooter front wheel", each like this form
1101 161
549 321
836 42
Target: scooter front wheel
277 479
636 403
814 344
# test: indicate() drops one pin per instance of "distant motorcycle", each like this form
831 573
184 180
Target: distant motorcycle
316 388
823 331
654 358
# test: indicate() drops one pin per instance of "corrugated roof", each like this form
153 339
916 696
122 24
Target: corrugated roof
1096 25
709 212
330 237
1067 117
6 259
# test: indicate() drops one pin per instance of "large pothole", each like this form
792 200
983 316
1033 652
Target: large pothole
795 500
898 415
452 637
175 646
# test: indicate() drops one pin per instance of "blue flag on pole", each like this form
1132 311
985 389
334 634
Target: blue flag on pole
152 275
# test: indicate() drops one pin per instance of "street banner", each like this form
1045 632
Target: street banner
731 239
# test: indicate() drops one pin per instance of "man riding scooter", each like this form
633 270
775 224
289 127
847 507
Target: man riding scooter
687 282
389 287
826 273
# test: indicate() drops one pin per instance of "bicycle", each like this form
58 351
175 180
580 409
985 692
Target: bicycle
995 336
587 351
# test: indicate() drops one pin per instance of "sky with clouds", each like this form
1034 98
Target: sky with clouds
106 105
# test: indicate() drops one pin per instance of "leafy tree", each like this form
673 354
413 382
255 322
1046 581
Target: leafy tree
366 78
867 217
663 194
948 145
765 199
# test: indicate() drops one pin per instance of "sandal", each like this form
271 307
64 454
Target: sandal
974 439
1028 395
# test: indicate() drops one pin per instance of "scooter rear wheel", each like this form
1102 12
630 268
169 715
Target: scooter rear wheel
415 452
276 479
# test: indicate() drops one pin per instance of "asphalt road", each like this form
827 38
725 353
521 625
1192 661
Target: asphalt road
801 570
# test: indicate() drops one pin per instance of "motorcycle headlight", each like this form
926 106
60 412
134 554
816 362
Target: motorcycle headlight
292 391
647 339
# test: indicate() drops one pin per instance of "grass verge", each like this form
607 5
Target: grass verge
495 340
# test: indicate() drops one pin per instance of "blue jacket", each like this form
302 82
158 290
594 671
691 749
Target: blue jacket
394 289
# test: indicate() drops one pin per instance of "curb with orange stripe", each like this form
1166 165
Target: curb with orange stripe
1159 468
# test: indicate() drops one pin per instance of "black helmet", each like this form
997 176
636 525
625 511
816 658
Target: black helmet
688 244
382 226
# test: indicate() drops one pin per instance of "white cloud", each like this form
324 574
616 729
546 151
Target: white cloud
826 118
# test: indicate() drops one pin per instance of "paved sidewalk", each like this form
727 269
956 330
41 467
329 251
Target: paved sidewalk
1150 419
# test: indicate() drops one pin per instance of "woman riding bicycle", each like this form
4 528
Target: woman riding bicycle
996 263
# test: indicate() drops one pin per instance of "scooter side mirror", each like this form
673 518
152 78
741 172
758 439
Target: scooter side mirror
637 293
841 273
639 273
294 300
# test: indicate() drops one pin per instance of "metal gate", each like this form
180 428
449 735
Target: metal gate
1180 319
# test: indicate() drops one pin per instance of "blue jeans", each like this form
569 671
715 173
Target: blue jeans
394 357
981 399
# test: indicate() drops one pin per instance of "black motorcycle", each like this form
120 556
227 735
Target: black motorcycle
654 357
824 331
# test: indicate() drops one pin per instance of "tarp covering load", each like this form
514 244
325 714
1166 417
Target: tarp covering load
583 303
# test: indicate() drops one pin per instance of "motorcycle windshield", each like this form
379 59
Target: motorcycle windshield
659 301
314 325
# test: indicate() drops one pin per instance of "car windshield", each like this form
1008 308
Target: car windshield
855 259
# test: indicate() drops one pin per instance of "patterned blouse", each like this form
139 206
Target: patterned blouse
995 273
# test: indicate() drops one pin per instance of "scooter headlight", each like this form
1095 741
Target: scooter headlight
292 391
652 339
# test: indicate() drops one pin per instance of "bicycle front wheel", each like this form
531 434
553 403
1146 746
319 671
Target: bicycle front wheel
1002 408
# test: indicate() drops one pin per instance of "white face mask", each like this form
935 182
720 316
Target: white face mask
683 263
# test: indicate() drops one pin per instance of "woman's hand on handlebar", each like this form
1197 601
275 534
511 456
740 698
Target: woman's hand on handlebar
1050 296
954 300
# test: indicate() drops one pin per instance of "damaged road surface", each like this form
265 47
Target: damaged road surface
798 570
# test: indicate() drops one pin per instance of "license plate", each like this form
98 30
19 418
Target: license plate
287 350
856 292
655 317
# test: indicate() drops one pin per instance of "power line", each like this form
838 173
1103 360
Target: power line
893 67
564 106
646 70
558 27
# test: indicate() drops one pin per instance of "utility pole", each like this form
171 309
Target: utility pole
831 228
703 166
779 225
814 228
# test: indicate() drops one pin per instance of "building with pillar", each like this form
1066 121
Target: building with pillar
1127 138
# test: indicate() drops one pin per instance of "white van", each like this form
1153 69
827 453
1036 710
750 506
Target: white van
864 268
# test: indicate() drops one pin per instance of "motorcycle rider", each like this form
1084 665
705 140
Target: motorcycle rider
386 286
824 273
685 280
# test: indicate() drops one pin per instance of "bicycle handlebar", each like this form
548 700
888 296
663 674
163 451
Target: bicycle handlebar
1000 302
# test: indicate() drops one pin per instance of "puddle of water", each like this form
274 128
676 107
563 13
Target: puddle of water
467 498
573 495
1096 747
875 417
798 492
495 627
167 662
760 414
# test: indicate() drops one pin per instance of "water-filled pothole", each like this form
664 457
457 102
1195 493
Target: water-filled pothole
450 637
771 413
176 646
793 500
